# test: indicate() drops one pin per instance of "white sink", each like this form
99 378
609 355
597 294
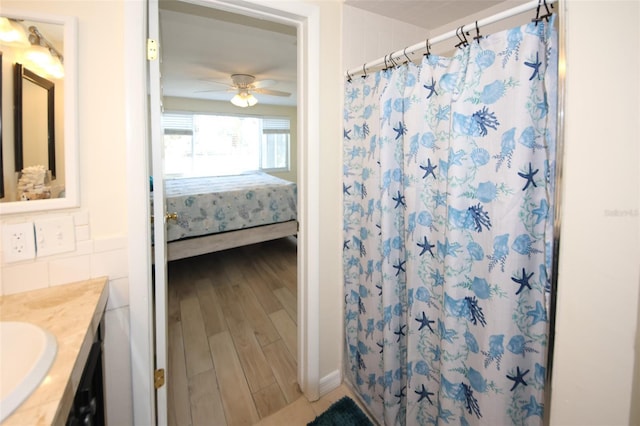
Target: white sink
26 355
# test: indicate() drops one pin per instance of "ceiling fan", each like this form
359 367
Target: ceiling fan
245 85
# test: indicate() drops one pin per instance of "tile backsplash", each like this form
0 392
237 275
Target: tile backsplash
91 258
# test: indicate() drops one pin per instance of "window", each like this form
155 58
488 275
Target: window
216 145
275 144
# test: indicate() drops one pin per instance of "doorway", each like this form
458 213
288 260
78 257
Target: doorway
231 320
306 19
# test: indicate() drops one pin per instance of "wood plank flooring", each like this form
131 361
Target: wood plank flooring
232 335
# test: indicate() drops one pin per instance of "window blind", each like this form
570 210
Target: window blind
275 125
177 124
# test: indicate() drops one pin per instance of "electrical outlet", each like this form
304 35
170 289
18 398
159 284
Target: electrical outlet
55 236
18 242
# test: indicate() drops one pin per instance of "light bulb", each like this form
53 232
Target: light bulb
41 61
12 33
244 99
39 55
55 68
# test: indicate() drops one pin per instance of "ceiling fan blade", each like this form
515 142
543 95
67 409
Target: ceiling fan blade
271 92
222 83
263 83
229 90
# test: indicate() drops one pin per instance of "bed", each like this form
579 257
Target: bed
217 213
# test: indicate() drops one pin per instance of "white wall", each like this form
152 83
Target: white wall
101 220
368 36
597 313
330 190
634 419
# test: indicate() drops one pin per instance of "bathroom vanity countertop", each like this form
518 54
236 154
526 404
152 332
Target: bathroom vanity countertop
72 313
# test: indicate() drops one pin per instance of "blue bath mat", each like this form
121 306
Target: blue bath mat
344 412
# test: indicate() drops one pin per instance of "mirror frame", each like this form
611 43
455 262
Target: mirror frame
20 74
72 175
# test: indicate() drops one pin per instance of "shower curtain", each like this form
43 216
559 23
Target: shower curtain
448 187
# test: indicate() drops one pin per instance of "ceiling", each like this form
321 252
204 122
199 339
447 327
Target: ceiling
201 47
428 14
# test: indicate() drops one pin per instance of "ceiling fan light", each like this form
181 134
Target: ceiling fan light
244 100
238 101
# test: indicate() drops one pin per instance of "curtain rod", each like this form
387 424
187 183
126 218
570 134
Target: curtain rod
410 50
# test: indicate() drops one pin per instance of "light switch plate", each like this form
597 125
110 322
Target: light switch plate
18 242
56 235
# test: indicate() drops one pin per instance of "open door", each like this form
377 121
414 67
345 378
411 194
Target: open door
159 215
306 17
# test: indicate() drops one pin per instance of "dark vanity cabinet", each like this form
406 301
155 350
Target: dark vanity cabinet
88 402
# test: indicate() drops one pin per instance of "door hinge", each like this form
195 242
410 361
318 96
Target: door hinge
152 49
158 378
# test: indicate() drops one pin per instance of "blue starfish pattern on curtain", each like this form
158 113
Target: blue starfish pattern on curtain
448 187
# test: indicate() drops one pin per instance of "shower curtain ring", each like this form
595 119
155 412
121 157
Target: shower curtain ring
537 18
348 76
478 36
395 64
405 55
546 8
364 70
546 16
428 47
461 37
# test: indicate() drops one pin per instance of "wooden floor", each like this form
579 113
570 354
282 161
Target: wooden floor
232 335
301 412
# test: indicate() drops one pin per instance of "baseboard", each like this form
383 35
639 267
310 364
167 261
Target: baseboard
330 382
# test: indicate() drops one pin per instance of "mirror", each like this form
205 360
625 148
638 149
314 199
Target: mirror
39 158
34 120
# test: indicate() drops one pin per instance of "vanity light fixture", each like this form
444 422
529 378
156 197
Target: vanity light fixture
12 33
244 99
34 47
43 54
